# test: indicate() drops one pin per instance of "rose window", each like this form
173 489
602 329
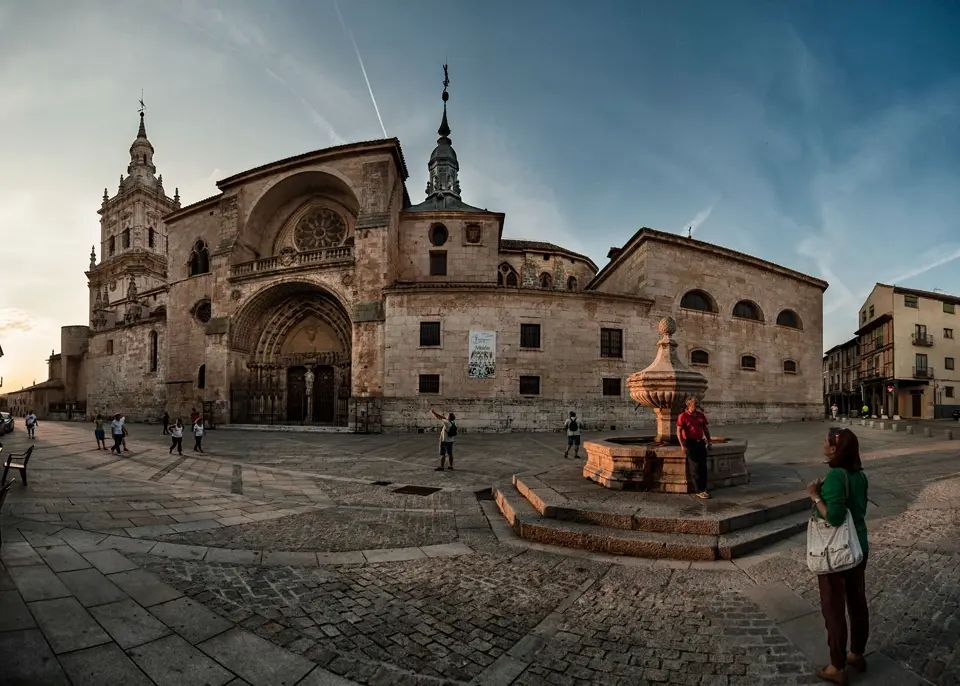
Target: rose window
319 229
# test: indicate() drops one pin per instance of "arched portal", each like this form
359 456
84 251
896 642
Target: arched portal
296 341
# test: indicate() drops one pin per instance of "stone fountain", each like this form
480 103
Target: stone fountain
658 463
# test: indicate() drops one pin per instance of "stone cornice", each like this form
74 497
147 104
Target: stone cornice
433 288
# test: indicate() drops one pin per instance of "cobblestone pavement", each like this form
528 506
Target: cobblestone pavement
293 559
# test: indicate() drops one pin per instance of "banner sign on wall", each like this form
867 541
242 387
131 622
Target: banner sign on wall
482 360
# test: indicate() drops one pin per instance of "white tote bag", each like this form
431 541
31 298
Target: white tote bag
833 548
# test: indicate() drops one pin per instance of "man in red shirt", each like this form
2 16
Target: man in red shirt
694 438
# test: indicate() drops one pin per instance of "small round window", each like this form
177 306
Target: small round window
439 234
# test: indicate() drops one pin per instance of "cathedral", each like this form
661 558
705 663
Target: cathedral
313 291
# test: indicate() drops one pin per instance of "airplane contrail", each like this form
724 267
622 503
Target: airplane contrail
363 69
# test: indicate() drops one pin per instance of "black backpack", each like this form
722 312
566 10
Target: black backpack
452 431
573 424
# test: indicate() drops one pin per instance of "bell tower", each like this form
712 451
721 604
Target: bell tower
133 237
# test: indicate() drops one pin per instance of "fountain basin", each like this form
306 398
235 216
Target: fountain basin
640 463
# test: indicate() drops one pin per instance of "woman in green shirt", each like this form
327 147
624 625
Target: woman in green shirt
844 590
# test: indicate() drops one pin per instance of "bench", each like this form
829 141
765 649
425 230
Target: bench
3 496
18 462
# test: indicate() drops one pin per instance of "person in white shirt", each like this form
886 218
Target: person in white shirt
198 434
116 430
31 422
573 436
833 410
176 435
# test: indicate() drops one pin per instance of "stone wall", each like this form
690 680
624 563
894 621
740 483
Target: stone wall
122 381
466 262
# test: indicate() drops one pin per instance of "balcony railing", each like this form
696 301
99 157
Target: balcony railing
327 256
923 372
924 340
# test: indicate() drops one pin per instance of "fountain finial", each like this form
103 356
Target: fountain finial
666 384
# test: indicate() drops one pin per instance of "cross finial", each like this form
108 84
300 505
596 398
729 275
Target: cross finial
446 77
142 106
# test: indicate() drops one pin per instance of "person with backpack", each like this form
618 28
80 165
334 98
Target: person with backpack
32 423
573 436
448 431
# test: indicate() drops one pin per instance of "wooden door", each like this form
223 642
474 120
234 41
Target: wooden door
917 404
296 394
323 396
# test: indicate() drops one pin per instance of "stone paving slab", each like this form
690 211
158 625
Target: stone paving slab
27 659
67 625
174 661
190 619
91 587
128 624
104 665
256 660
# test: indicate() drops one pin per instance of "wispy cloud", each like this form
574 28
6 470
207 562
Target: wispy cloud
244 38
12 319
698 219
363 69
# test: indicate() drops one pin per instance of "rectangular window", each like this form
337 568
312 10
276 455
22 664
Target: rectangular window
429 334
611 387
948 363
949 308
921 361
112 245
109 347
530 336
529 385
863 317
150 239
871 312
611 342
949 391
438 263
429 383
948 333
911 301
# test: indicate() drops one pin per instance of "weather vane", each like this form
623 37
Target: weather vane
142 106
446 77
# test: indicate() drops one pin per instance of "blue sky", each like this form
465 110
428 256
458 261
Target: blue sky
824 136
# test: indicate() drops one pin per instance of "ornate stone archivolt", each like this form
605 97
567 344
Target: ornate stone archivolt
291 313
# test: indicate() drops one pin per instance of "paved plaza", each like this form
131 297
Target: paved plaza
281 558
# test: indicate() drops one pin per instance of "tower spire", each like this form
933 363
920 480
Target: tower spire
443 188
444 129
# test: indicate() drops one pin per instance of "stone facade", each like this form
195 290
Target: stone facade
311 290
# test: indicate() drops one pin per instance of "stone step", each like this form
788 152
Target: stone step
531 525
718 518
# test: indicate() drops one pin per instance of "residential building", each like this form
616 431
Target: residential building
909 352
841 377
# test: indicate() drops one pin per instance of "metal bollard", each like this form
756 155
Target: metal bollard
873 424
927 432
895 427
909 429
863 422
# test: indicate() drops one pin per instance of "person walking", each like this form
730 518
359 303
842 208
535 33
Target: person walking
176 436
166 422
123 442
844 487
573 436
833 411
694 436
98 432
448 430
116 430
198 434
31 422
194 415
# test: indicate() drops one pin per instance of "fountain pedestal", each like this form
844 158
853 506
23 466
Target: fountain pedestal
638 464
659 463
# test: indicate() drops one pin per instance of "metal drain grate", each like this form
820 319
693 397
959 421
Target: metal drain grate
416 490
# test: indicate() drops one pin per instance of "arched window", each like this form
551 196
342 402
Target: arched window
202 376
572 283
439 234
789 367
747 309
698 300
199 259
748 362
699 357
154 351
546 281
790 319
507 276
125 239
